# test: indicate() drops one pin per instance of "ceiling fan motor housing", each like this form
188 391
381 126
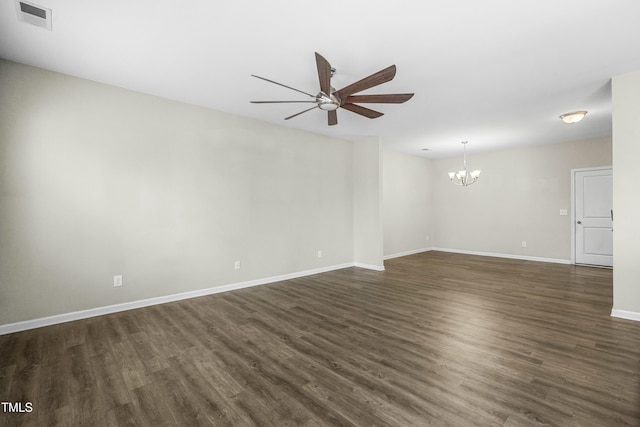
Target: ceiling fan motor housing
327 102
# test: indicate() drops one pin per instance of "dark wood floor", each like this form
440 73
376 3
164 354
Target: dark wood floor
438 338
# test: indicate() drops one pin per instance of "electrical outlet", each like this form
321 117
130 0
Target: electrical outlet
117 281
427 237
320 254
563 212
524 243
236 265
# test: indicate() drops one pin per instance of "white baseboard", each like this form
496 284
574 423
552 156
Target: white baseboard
401 254
99 311
522 257
623 314
369 266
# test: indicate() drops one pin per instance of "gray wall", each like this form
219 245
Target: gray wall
97 181
407 207
367 197
626 194
518 197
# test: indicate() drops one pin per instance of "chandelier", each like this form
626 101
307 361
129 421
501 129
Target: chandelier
464 177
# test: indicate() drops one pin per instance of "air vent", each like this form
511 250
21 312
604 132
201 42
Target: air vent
33 14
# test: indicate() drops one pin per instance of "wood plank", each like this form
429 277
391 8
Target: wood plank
436 338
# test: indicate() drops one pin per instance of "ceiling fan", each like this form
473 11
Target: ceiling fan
329 99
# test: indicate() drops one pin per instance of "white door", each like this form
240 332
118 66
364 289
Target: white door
594 217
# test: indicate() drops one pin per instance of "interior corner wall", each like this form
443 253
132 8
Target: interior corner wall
97 181
406 204
367 202
626 196
517 198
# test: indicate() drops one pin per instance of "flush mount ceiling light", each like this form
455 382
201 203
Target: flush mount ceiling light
464 177
573 117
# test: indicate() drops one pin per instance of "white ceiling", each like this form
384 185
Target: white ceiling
497 73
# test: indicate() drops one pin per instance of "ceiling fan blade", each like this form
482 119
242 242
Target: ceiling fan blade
324 73
297 114
363 111
374 79
279 102
391 98
333 117
280 84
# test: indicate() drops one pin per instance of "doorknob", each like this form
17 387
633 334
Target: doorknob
579 222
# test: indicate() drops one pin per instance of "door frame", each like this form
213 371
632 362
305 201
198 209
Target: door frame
573 205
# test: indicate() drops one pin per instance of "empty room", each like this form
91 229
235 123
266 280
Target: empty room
356 213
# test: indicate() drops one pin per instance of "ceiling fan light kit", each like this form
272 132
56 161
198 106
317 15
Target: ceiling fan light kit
326 103
329 99
463 177
573 117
